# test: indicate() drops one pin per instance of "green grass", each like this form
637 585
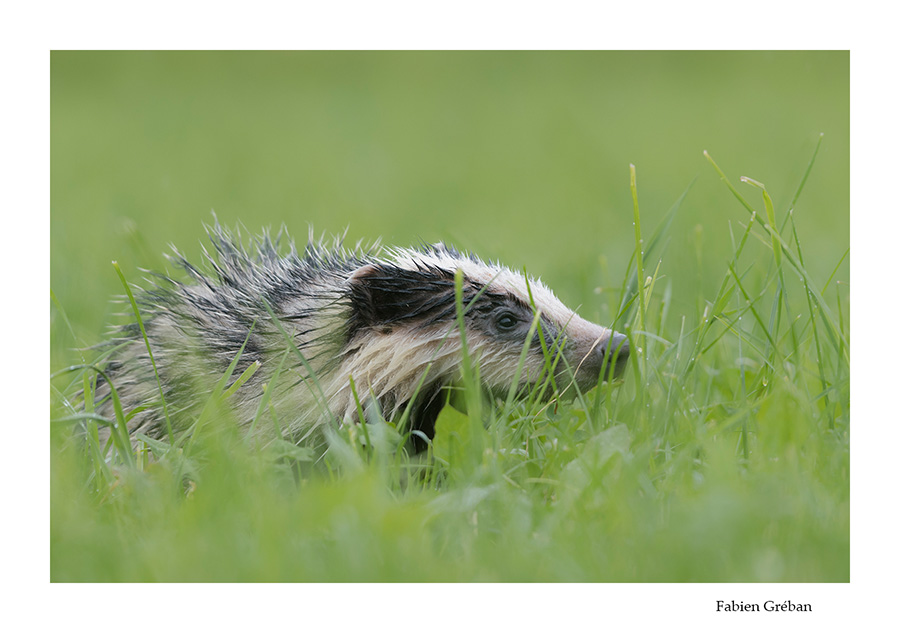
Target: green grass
723 455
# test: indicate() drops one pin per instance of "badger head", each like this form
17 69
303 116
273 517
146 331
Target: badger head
403 322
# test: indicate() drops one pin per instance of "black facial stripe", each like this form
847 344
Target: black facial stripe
550 332
384 294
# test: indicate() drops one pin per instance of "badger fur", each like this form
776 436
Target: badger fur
385 318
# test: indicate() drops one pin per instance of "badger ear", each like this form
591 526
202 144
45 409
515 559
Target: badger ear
362 298
362 272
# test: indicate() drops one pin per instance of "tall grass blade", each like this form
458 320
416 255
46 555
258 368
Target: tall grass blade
140 321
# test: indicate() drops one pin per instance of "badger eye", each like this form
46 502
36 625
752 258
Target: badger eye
507 321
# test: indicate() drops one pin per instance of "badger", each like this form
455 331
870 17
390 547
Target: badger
336 332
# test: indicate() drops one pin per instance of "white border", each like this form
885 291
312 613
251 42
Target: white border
31 30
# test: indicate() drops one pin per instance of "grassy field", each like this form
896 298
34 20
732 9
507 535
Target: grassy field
722 456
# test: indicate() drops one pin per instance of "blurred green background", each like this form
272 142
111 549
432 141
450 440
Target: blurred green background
521 157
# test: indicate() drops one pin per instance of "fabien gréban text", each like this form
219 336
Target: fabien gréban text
768 605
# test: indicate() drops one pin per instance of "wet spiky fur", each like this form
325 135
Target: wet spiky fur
380 317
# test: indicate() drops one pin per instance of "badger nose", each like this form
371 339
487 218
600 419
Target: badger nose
616 352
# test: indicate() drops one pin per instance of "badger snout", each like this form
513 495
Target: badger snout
597 354
615 353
